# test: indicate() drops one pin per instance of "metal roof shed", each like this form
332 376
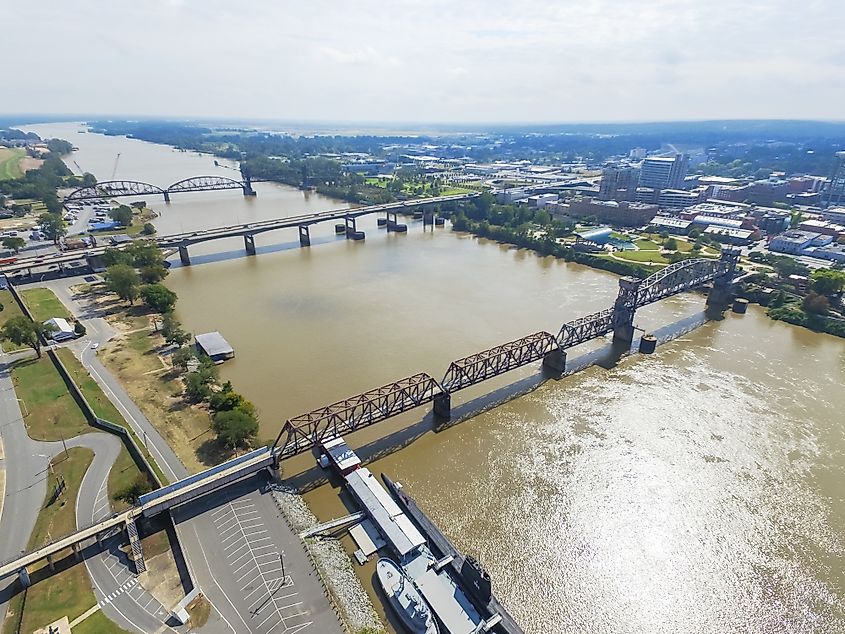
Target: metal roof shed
215 346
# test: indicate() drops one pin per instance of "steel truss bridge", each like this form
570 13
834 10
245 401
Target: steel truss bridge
301 433
119 188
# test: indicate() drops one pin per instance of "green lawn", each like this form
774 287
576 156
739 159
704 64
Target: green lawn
647 245
43 304
97 623
49 410
10 159
642 256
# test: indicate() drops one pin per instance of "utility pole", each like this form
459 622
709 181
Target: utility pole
282 560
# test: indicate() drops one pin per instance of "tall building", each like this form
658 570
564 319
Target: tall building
663 172
619 183
836 189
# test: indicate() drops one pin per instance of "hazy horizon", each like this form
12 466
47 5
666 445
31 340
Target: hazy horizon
413 62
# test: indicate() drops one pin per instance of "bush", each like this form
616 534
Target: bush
148 229
79 328
135 489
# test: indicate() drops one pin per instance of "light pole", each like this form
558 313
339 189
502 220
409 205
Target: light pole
282 560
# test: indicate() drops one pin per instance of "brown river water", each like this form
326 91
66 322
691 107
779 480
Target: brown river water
699 489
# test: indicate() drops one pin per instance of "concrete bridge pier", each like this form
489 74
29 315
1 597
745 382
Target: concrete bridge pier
555 361
50 562
167 197
23 577
183 255
443 406
428 218
720 296
351 226
249 244
76 552
247 188
304 236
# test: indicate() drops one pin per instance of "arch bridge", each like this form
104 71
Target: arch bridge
121 188
301 433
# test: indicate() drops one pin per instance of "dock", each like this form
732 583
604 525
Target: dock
463 568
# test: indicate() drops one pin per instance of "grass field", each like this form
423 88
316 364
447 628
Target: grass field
50 412
647 245
10 159
642 256
97 623
125 471
43 304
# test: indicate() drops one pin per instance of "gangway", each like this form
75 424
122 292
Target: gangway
335 523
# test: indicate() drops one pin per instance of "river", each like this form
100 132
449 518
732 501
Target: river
699 489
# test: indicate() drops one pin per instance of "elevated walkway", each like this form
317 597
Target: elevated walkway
149 505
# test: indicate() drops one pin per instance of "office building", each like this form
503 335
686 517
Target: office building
836 187
619 183
661 172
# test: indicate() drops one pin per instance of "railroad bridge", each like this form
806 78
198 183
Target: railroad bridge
119 188
303 432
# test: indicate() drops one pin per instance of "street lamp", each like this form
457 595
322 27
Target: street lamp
284 576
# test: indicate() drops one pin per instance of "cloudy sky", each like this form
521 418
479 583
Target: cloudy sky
427 60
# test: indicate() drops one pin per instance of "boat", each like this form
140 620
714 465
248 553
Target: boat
405 599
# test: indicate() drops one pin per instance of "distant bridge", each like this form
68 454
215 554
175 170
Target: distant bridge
300 433
120 188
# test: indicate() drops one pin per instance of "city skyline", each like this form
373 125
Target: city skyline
432 62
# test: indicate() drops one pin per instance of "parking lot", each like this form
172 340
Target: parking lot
250 564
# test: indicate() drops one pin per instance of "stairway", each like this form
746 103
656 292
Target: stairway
135 545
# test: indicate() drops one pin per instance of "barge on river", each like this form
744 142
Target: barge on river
456 589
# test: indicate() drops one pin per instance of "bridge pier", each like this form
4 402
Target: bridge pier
443 406
249 244
23 577
166 197
304 236
183 255
555 360
721 295
624 309
428 218
50 562
352 229
76 551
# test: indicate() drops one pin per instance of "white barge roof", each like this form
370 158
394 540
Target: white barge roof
400 532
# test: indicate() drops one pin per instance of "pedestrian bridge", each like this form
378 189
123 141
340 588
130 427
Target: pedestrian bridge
122 188
148 505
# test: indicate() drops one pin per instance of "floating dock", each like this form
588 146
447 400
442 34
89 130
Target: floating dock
471 576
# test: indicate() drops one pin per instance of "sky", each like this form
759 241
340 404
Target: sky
462 61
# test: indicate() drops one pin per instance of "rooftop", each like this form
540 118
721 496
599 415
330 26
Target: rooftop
214 344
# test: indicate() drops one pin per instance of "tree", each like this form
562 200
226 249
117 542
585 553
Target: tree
52 226
144 253
827 282
149 229
15 244
815 304
235 428
671 244
122 280
79 328
181 357
158 297
88 180
22 331
172 331
122 215
153 273
197 387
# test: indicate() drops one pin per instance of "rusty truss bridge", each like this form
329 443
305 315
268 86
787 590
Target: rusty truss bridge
119 188
301 433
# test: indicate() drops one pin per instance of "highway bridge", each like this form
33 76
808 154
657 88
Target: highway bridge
182 241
